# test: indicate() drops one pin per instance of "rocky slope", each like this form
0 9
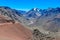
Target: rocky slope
11 13
35 17
46 20
10 30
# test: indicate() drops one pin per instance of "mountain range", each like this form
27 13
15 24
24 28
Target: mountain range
48 19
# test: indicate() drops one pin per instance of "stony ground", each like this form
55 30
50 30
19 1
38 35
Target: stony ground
37 35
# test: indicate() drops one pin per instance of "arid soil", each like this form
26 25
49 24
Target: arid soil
11 30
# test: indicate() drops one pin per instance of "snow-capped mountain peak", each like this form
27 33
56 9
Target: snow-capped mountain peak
33 13
36 9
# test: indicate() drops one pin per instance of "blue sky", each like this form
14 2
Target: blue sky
29 4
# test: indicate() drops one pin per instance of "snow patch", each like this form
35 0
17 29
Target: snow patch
35 9
31 22
38 14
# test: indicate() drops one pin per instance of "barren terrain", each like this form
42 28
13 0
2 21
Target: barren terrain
11 30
